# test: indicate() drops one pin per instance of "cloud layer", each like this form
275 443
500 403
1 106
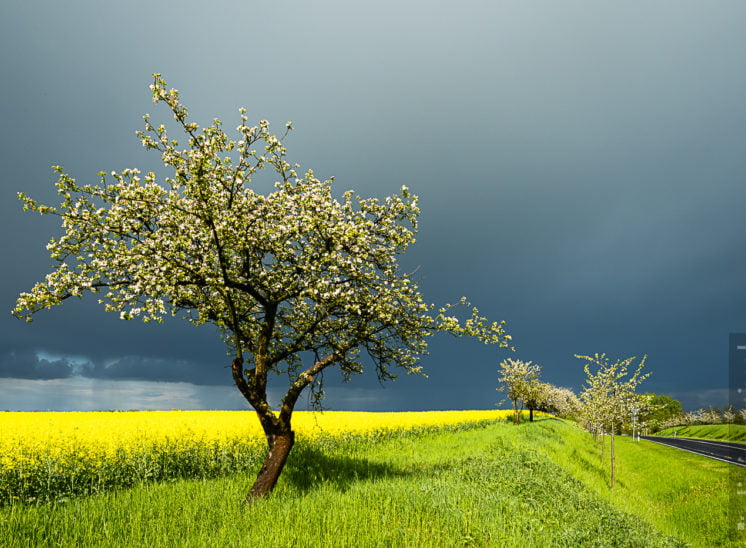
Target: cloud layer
580 169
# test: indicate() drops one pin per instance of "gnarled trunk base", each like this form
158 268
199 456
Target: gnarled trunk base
279 449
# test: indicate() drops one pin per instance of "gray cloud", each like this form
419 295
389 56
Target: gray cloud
160 369
580 168
29 365
43 365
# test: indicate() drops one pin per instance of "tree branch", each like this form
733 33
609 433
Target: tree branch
304 379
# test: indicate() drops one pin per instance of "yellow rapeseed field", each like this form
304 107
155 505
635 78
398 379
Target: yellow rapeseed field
52 455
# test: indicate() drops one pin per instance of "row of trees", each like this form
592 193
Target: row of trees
522 384
608 403
662 411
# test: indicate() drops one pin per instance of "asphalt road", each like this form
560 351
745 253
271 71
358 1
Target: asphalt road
734 453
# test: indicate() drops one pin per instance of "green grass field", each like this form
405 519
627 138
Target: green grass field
726 432
538 484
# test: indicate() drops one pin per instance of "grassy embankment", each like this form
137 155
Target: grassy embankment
680 493
725 432
538 484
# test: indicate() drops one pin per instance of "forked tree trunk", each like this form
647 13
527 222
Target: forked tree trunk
279 448
279 434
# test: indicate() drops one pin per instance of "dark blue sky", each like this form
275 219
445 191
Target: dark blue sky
581 168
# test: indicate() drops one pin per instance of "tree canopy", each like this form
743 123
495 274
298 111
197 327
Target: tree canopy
561 401
609 397
296 279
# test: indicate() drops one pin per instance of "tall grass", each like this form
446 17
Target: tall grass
477 487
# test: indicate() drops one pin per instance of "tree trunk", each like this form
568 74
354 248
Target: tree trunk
530 414
612 456
277 430
279 448
516 413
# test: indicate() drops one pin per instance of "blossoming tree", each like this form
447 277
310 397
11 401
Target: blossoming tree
520 381
609 399
296 280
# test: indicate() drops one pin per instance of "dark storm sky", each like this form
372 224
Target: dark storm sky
581 168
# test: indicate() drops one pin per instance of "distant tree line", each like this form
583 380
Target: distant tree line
711 415
665 412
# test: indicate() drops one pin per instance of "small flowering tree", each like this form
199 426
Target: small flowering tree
520 382
536 395
609 399
296 280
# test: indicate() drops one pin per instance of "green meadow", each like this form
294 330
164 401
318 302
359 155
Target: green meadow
539 484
